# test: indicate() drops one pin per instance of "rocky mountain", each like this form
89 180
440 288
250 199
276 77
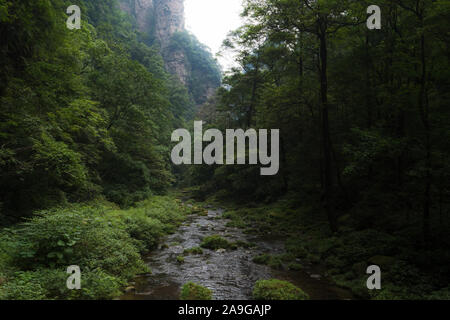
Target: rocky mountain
163 21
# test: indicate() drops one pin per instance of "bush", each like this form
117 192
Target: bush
103 241
267 259
195 250
146 230
193 291
442 294
50 284
262 259
295 266
163 208
6 250
24 286
76 236
216 242
274 289
98 285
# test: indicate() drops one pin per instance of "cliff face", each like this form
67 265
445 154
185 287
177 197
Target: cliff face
169 18
163 22
162 18
141 10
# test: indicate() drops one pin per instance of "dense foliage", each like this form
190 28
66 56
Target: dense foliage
85 115
104 241
364 126
86 118
83 112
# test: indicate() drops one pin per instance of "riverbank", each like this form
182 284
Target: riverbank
151 250
207 251
343 257
107 243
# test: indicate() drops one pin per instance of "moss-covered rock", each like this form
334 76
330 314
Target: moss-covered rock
295 266
193 291
216 242
274 289
262 259
194 250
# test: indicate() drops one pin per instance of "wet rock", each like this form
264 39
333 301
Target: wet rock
231 275
316 276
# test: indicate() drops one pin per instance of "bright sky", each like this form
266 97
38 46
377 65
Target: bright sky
211 20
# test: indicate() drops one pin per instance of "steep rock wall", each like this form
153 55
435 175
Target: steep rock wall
162 18
142 10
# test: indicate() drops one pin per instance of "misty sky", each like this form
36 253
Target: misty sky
211 20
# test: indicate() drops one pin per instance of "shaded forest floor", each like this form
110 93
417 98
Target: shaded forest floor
408 270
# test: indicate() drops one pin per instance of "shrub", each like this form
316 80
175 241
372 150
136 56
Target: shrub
267 259
76 236
6 250
46 284
193 291
442 294
98 285
195 250
295 266
146 230
24 286
103 241
243 244
216 242
163 208
274 289
262 259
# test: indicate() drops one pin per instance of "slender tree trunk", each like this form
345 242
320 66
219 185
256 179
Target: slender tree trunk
284 171
253 97
423 108
326 143
368 97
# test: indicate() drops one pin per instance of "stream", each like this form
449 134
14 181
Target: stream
230 274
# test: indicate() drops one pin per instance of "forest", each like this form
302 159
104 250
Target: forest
86 176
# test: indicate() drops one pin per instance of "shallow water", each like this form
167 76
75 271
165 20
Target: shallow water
230 274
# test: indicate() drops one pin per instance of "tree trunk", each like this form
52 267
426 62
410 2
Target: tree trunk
326 144
423 108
